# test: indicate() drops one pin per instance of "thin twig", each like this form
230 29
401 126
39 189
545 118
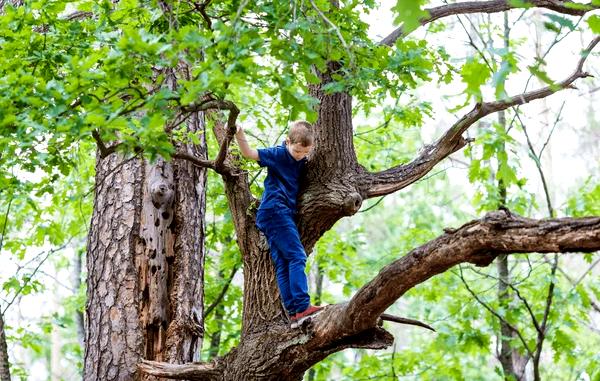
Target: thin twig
337 31
539 155
29 279
221 295
407 321
491 310
12 196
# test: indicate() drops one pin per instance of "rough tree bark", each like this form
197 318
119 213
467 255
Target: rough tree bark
145 261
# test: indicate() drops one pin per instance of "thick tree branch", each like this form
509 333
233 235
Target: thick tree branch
493 6
393 179
478 242
191 371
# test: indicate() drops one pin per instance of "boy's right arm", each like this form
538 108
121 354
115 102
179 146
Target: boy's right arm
247 151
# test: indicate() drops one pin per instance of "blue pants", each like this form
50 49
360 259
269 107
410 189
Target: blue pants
288 257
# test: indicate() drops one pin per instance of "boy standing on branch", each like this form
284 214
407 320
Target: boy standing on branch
275 217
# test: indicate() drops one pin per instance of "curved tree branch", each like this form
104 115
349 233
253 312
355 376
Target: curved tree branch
218 164
493 6
478 242
396 178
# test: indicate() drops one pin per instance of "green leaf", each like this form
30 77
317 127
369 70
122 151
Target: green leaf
542 75
560 20
474 73
594 23
409 14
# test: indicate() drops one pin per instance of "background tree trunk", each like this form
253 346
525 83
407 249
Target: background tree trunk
513 363
145 261
4 363
76 286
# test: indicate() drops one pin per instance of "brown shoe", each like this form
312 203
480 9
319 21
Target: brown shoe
308 313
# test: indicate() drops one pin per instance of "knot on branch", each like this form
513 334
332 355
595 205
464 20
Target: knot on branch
352 203
462 142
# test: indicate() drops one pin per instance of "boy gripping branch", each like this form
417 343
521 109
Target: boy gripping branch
275 217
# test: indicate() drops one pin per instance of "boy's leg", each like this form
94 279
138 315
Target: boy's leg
283 279
287 241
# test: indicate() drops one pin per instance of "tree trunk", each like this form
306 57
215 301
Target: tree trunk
76 286
145 261
4 363
56 370
513 363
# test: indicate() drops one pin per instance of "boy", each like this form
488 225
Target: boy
275 217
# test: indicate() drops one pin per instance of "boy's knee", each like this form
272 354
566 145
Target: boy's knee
298 260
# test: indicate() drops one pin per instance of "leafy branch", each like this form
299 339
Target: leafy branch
396 178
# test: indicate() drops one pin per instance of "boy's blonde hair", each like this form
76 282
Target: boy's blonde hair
301 132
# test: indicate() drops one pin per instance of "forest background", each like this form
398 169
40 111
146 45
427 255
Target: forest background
539 160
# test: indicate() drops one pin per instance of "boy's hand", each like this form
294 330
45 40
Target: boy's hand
247 151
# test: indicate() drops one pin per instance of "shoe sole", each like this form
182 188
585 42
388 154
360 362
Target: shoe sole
300 321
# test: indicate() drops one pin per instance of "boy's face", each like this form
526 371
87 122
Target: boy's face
297 150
